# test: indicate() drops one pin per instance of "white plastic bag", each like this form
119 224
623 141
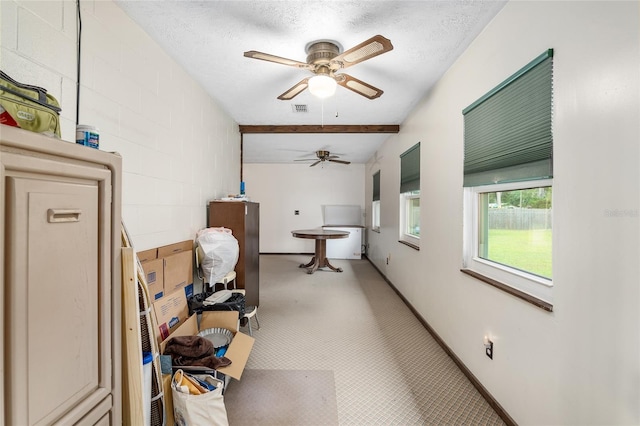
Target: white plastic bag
206 409
221 251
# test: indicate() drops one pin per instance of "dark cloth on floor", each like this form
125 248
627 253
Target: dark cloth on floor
194 351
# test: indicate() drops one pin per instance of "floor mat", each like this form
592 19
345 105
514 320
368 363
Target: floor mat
282 397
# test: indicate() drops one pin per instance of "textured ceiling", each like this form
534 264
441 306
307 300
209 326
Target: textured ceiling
208 38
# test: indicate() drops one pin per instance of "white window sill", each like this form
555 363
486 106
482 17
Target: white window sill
410 244
542 304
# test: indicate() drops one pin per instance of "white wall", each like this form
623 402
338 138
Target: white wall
283 188
577 365
179 148
580 364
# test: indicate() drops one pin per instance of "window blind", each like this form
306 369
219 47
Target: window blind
410 169
507 132
376 186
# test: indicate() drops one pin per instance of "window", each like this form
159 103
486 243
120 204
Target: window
508 236
375 204
508 170
412 213
514 228
410 196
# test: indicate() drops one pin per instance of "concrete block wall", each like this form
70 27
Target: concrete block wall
179 147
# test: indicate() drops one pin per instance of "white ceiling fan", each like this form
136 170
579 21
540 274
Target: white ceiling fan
325 60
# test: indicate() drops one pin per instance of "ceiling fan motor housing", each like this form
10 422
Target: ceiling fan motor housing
320 54
322 154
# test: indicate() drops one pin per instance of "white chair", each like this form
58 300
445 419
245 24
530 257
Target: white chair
228 282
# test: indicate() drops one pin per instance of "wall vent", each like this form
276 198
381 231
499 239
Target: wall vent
299 108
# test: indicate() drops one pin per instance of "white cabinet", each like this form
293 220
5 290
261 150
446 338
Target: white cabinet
345 248
344 218
60 293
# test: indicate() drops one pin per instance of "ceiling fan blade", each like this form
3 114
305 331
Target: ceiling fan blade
317 162
358 86
376 45
295 90
339 161
277 59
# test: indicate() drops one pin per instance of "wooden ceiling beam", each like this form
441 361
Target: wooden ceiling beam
371 128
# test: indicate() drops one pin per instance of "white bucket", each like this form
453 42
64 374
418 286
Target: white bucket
87 136
146 389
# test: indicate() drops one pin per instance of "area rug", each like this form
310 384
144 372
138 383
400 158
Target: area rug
282 397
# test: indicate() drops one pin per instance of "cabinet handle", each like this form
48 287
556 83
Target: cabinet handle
63 215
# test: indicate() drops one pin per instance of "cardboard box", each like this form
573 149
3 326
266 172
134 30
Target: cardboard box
178 267
168 399
170 312
238 351
178 272
168 269
175 248
144 256
239 348
154 273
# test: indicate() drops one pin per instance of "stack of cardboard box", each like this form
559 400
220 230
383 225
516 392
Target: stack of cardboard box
169 273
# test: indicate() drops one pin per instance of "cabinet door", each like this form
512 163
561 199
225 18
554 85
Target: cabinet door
57 294
243 218
231 215
252 254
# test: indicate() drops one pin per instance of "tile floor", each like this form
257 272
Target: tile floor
388 369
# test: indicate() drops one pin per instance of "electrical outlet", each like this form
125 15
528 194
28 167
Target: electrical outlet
488 349
296 212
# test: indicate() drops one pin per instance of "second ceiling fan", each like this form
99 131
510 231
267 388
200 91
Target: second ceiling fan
323 156
325 59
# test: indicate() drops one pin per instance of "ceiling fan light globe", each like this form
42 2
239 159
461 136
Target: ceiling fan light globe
322 86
